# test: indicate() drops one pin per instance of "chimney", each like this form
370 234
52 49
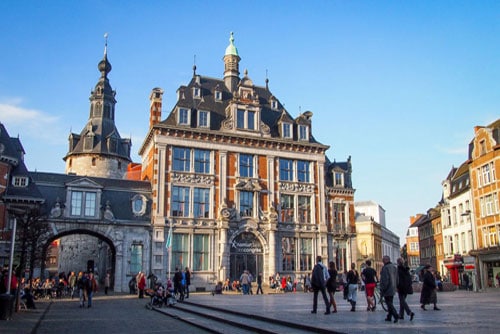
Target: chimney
155 106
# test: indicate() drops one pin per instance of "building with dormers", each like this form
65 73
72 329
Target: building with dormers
18 192
457 222
241 183
484 164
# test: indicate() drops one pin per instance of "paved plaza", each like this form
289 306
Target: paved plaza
461 311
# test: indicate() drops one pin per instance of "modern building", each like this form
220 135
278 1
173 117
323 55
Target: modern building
372 236
241 183
484 164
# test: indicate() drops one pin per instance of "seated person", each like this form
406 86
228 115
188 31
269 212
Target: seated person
218 288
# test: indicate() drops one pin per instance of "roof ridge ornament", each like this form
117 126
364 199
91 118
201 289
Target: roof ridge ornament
231 49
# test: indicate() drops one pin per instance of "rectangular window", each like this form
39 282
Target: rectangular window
201 202
200 252
338 179
287 209
180 250
489 204
76 203
286 170
303 171
202 161
218 95
246 203
486 174
288 252
287 130
20 181
181 159
240 119
251 120
197 92
183 116
303 132
180 201
306 257
246 165
304 209
90 204
83 203
135 259
158 259
203 119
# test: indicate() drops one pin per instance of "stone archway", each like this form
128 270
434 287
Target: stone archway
80 250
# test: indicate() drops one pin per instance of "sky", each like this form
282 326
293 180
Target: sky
397 85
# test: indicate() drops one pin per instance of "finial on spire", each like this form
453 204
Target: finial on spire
194 66
267 81
105 43
231 49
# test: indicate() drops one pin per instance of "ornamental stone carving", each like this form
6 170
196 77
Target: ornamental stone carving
296 187
190 178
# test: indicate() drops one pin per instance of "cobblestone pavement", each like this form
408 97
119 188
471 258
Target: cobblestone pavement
461 311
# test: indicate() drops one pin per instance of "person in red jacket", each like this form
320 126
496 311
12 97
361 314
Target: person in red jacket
141 284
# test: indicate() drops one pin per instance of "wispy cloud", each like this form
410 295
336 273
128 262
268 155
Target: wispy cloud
27 122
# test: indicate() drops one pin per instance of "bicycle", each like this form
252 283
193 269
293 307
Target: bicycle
377 298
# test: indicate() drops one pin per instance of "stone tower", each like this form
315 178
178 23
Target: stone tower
99 150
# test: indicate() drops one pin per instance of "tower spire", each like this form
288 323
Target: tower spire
105 44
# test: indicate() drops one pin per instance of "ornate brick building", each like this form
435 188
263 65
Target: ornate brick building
242 183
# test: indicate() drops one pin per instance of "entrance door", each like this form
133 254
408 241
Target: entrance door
246 254
251 262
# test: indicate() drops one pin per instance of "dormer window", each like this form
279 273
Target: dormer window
218 95
88 142
245 119
274 104
183 116
196 92
203 119
338 179
303 132
286 130
20 181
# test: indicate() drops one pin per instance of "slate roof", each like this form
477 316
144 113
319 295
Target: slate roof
12 153
118 192
101 126
217 109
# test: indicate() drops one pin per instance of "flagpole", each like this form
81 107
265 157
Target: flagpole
169 249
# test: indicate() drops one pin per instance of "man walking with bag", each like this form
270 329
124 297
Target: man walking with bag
319 278
388 285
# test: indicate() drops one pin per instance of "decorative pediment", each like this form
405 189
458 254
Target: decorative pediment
84 182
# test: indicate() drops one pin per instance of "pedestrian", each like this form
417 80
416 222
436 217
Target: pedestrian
131 285
319 277
388 286
259 284
178 288
307 283
405 288
72 283
369 276
352 286
187 276
80 284
107 283
244 281
250 280
428 294
91 288
466 281
141 284
331 284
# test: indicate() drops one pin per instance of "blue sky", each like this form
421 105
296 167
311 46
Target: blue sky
396 85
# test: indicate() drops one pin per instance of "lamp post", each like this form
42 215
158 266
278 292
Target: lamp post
11 260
